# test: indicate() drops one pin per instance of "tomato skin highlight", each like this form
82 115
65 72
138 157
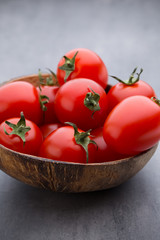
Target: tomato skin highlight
33 138
120 91
104 153
87 65
69 104
46 129
20 96
49 114
61 145
133 126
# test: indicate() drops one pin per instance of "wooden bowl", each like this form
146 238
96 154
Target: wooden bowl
69 177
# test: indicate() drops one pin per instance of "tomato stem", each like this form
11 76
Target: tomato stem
43 99
52 80
132 80
19 129
48 81
82 138
41 79
68 66
91 101
156 100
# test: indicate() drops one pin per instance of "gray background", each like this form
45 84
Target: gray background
36 34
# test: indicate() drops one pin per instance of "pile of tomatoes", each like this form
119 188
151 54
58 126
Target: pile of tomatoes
75 116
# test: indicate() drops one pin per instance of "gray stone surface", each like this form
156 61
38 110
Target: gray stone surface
36 34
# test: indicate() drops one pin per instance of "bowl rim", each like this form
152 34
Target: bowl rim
33 75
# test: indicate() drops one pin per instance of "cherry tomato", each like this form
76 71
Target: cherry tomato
104 153
50 92
29 143
83 102
20 96
133 126
61 145
46 129
131 87
82 63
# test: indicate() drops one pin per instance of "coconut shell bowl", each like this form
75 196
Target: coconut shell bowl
69 177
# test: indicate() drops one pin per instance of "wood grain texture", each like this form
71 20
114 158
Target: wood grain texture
69 177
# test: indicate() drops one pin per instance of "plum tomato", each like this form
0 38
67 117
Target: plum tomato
133 126
133 86
104 153
21 135
68 144
82 63
83 102
20 96
46 129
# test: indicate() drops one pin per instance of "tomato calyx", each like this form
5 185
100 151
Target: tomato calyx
68 66
132 80
43 99
91 101
48 81
19 129
52 79
82 138
156 100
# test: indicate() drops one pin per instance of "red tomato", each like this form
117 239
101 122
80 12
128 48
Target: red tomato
33 138
104 153
83 102
133 125
50 92
61 145
131 87
46 129
87 64
20 96
121 91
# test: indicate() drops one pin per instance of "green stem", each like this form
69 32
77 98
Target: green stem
82 138
156 100
19 129
48 81
132 80
68 66
43 99
91 101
